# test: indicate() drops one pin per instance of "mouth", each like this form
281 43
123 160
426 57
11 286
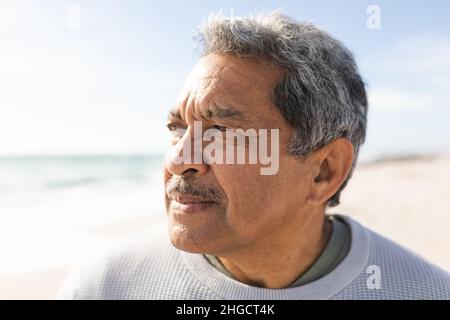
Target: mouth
189 204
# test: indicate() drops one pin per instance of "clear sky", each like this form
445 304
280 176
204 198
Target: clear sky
99 76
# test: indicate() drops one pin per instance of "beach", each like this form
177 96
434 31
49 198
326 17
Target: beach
406 199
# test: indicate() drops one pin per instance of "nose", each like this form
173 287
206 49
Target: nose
181 160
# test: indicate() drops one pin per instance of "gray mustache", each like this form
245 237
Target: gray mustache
183 186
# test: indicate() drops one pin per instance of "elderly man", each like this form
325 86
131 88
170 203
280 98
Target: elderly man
236 231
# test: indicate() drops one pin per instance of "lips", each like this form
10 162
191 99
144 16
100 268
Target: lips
189 204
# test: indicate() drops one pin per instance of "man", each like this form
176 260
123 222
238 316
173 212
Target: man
236 232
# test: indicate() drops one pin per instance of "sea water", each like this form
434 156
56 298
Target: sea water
56 210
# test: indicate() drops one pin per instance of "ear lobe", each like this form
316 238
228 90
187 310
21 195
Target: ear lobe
319 185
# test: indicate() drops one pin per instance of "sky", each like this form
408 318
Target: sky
97 77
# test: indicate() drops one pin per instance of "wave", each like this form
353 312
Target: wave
72 183
55 173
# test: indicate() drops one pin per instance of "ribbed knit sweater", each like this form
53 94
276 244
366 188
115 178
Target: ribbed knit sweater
149 267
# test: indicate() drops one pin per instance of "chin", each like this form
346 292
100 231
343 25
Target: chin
183 239
192 241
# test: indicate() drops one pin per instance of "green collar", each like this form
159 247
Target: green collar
334 252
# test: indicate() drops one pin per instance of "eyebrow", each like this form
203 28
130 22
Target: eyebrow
216 112
213 112
175 114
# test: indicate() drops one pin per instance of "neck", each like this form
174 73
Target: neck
278 259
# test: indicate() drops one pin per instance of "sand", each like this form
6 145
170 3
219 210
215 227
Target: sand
407 200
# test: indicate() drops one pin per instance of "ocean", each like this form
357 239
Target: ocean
55 211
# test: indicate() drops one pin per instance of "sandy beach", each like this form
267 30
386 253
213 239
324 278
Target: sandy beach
406 199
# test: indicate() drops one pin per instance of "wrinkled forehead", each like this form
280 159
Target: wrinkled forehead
229 78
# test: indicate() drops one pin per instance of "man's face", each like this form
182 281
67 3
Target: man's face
217 208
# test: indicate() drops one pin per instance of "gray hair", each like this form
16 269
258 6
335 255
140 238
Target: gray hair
320 93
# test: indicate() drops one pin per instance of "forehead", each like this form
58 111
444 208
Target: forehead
229 80
234 72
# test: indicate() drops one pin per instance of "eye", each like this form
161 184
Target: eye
176 130
220 128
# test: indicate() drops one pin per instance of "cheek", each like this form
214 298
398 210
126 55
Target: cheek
255 200
166 175
252 198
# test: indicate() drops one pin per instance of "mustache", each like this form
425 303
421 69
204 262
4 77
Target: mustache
177 184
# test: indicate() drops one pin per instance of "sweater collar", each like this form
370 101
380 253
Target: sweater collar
324 288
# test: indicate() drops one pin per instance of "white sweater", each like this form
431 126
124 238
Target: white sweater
374 268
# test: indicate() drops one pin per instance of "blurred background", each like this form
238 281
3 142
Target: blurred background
84 91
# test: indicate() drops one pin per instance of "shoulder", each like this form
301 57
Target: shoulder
408 271
130 270
395 272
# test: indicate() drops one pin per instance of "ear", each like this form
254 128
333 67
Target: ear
332 164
